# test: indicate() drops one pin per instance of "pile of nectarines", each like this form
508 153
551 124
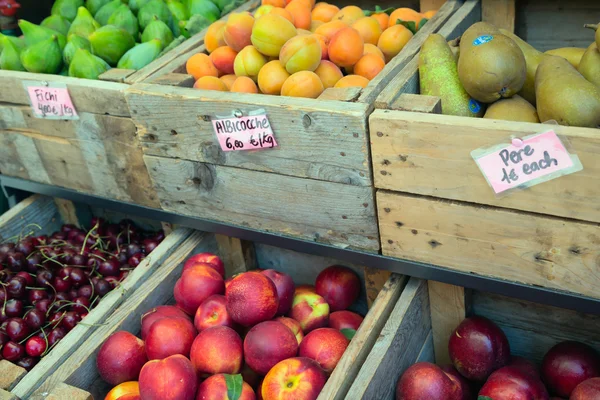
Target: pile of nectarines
299 48
252 336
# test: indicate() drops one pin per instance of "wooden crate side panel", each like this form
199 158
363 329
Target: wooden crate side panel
519 247
500 13
269 202
399 345
324 140
448 309
98 316
90 96
426 154
20 220
532 329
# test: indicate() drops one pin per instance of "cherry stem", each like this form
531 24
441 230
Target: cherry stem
86 238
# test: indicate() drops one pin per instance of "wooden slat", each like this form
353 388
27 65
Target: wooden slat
172 79
431 155
417 103
341 94
447 312
427 5
67 212
10 374
4 395
65 392
237 255
324 140
519 247
375 279
116 75
500 13
427 351
368 336
260 200
398 346
37 209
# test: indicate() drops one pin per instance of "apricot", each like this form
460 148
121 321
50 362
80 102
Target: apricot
200 65
369 29
404 14
282 12
303 32
314 24
383 20
329 29
349 14
372 49
346 47
301 53
274 3
301 11
352 81
214 36
243 84
324 12
262 10
329 73
302 84
238 30
270 33
369 66
392 41
248 62
210 83
271 77
429 14
222 58
324 46
228 80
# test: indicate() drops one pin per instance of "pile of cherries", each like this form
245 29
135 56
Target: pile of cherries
48 284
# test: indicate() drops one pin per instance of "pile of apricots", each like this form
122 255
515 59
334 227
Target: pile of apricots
298 48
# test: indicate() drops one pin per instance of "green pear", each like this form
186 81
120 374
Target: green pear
135 5
94 5
73 44
595 27
589 66
66 8
44 57
106 11
110 43
515 108
158 30
86 65
204 8
10 58
84 24
57 23
571 54
173 44
34 34
141 55
151 9
124 18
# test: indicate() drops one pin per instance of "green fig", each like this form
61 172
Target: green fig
110 43
10 57
151 9
232 6
221 3
84 24
94 5
178 10
124 18
44 57
141 55
66 8
158 30
196 24
106 11
135 5
64 71
182 29
173 44
19 43
34 34
86 65
57 23
204 8
74 43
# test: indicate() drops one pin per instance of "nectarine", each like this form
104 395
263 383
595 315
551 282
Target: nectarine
121 358
268 343
173 378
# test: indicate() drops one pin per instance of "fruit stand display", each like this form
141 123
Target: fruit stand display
434 203
95 363
321 161
98 152
43 276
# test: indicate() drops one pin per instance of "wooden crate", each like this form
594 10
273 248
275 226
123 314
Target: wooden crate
98 154
50 214
78 375
435 206
322 162
424 317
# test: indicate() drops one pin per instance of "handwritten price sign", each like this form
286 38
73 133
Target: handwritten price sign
244 133
50 100
531 160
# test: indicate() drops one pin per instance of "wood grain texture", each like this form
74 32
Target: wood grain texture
417 103
324 140
88 95
425 154
500 13
448 309
67 211
269 202
172 79
342 380
116 75
341 94
427 352
427 5
375 279
398 346
18 221
98 316
64 392
4 395
10 374
237 255
518 247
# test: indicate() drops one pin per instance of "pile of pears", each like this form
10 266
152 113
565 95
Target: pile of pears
85 38
492 73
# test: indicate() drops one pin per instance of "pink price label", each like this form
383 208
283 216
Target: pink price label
534 159
244 133
52 101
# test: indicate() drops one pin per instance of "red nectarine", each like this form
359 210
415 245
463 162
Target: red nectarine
293 379
157 313
215 387
196 284
310 310
251 298
213 312
207 258
285 289
339 286
121 358
268 343
217 350
172 378
324 345
169 336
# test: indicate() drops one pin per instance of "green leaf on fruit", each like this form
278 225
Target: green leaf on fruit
349 333
423 22
484 398
378 10
409 24
234 386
